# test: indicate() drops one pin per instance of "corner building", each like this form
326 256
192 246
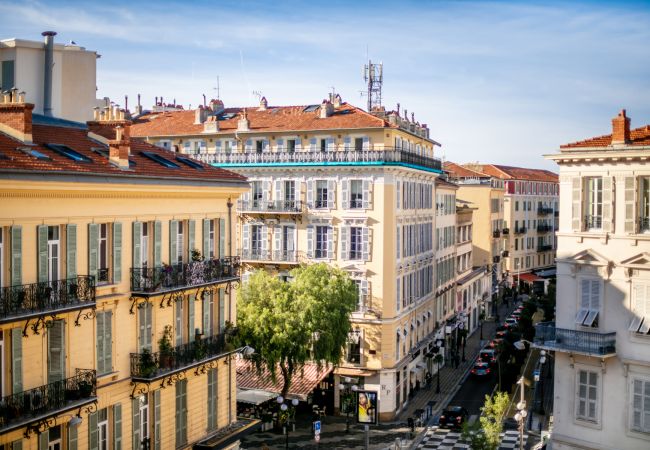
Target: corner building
97 264
601 335
333 183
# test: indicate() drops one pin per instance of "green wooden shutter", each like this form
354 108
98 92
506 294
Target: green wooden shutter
93 432
18 445
173 247
42 253
178 415
117 252
73 437
71 251
178 329
44 440
144 322
117 427
157 247
212 399
136 244
16 255
99 318
93 249
56 351
17 360
156 422
630 203
206 238
108 341
191 235
222 310
190 317
222 238
136 444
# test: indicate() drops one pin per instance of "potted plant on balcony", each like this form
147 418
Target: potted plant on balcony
196 255
147 363
165 348
85 388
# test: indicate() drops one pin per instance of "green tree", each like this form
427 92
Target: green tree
486 433
289 323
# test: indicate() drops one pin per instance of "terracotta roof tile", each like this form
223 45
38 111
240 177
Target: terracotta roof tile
12 158
445 184
458 171
519 173
274 118
638 137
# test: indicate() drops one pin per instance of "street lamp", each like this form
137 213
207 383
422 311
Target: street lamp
520 417
542 360
347 388
284 407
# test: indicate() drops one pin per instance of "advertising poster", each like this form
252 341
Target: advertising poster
367 407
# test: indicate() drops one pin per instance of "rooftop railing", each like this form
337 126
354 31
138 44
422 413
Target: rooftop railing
337 155
34 299
147 365
183 275
590 343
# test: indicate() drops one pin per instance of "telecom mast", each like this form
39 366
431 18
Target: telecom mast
373 74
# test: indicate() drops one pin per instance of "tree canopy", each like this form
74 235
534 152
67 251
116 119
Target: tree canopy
485 434
289 323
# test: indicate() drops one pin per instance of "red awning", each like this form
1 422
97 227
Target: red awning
529 277
303 383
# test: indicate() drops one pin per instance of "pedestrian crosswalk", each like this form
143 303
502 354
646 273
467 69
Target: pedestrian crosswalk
444 439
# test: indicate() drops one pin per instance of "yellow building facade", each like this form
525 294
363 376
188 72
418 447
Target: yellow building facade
333 183
115 331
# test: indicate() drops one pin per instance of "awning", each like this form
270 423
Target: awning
302 384
547 273
352 372
226 436
254 396
529 278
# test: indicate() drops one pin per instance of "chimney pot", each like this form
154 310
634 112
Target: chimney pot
621 129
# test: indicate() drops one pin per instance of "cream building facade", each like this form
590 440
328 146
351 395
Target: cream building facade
600 337
331 182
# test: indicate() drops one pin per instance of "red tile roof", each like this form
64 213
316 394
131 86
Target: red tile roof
638 137
274 118
445 184
302 385
458 171
14 159
519 173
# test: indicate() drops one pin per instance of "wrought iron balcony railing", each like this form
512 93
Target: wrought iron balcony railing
149 366
270 206
104 276
29 300
506 231
182 276
544 228
544 248
520 230
496 259
644 224
544 211
33 405
386 155
287 256
590 343
255 255
496 234
593 222
505 253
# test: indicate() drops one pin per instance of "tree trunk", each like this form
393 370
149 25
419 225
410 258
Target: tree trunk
287 375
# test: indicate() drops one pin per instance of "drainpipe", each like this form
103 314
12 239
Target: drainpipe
47 71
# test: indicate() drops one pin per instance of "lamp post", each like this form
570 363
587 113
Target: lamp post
284 408
347 388
542 360
520 417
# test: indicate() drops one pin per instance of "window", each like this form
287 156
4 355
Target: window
323 145
102 428
356 194
587 314
54 441
321 194
103 254
189 162
257 193
66 151
179 243
291 145
354 347
259 147
53 250
640 308
144 244
143 409
160 160
321 242
356 243
644 206
640 406
587 396
104 342
290 192
358 144
211 253
256 240
181 413
594 206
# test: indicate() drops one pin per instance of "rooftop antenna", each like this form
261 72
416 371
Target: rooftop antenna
217 89
258 94
373 74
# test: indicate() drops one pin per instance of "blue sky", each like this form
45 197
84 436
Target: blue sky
503 82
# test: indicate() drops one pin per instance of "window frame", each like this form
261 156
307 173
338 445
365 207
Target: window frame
589 316
645 380
321 241
598 386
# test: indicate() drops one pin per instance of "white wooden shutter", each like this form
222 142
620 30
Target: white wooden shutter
144 326
608 204
265 241
367 194
16 255
277 242
345 194
365 236
345 232
117 252
312 144
42 253
331 194
191 327
630 205
206 238
291 238
279 144
245 238
136 443
71 251
330 144
191 238
208 307
157 431
310 193
248 145
310 241
136 245
266 190
16 360
365 294
157 248
576 204
278 191
397 242
330 242
173 244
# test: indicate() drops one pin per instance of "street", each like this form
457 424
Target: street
472 393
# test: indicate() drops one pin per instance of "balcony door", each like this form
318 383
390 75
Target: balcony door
53 253
288 240
143 404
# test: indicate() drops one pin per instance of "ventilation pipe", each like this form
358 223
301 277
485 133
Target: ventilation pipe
47 71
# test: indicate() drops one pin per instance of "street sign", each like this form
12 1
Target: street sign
536 374
317 428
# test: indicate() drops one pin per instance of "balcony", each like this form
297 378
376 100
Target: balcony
270 207
496 259
590 343
340 156
44 402
496 234
505 253
506 231
544 211
267 256
45 298
544 228
148 366
544 248
593 222
147 281
520 230
644 224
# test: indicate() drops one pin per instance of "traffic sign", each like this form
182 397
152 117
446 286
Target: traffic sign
317 427
536 375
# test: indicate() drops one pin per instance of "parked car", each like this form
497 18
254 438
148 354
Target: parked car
481 369
453 417
488 355
511 322
495 343
501 332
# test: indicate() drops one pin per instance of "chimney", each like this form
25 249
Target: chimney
621 129
263 104
107 119
211 125
243 124
16 116
119 149
199 115
326 109
47 71
216 106
337 101
138 108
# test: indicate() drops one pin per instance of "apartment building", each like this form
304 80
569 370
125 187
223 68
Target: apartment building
530 215
600 336
489 237
116 289
331 182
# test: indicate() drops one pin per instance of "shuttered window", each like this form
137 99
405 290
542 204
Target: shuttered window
207 308
71 251
587 396
590 295
16 255
117 427
222 310
104 342
640 405
181 413
640 308
56 351
144 325
73 437
212 399
157 249
157 432
190 317
17 360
